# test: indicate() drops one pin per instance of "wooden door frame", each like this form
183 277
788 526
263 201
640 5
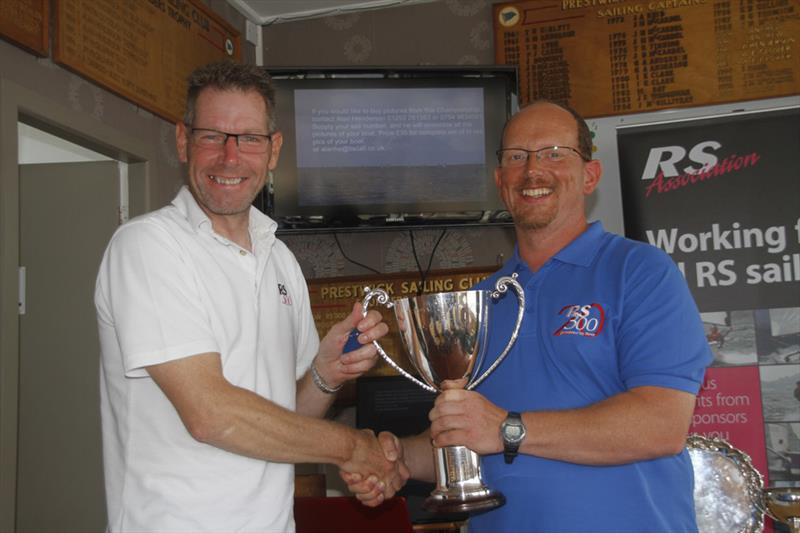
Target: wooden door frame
20 104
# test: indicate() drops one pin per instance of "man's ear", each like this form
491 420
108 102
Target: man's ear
591 175
181 141
275 149
498 181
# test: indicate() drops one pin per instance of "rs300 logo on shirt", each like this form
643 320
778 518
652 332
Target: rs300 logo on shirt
285 298
585 320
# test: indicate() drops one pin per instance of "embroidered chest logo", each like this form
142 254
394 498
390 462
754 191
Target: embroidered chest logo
285 298
584 320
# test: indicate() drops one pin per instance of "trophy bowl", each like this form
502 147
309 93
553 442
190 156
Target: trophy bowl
783 504
727 487
445 338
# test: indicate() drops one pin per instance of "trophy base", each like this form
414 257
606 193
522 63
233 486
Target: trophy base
461 503
459 488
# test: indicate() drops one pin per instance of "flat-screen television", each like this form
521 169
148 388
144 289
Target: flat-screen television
402 145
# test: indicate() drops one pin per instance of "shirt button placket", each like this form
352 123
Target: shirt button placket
531 291
250 266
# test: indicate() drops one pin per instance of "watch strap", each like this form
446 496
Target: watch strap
511 449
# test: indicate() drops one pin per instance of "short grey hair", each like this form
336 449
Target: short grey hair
226 76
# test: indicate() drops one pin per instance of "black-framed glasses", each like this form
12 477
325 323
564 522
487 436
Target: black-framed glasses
549 155
248 143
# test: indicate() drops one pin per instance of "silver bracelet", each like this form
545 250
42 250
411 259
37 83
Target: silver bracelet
320 383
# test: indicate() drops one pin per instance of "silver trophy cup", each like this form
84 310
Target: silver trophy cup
444 335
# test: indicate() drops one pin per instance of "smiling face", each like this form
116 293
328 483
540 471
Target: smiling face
542 196
223 180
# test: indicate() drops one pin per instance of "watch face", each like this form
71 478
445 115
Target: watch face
513 432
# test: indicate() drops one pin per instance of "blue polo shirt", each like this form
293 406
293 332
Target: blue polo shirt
604 315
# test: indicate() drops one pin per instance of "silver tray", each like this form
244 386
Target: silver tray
727 488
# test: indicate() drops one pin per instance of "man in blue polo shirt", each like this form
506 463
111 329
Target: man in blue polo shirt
601 382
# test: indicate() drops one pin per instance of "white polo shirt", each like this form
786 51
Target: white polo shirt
169 287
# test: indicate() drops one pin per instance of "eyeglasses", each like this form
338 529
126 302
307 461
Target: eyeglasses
248 143
549 155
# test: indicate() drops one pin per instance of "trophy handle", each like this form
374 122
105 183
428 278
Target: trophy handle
501 287
383 299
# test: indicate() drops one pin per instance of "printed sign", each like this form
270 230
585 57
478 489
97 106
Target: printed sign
609 57
720 195
143 50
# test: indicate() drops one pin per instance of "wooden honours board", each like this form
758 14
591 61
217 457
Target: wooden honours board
25 22
332 301
610 57
142 49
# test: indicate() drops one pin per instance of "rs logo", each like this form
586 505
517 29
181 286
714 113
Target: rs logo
666 159
584 320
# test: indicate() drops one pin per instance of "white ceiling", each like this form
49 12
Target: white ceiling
273 11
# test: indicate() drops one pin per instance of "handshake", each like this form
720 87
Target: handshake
458 418
377 469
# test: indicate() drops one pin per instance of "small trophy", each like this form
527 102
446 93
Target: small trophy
445 335
783 504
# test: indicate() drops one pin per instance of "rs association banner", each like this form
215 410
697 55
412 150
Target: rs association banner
721 195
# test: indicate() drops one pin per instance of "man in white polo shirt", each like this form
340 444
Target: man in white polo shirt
213 379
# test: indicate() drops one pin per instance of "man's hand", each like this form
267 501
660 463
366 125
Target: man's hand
466 418
336 368
371 490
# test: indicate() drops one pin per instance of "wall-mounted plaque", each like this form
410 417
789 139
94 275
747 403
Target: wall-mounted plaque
142 49
611 57
332 301
25 23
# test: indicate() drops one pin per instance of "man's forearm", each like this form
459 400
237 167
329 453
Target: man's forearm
311 400
418 456
243 422
238 420
641 424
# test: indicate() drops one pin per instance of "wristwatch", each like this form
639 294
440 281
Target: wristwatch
512 431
